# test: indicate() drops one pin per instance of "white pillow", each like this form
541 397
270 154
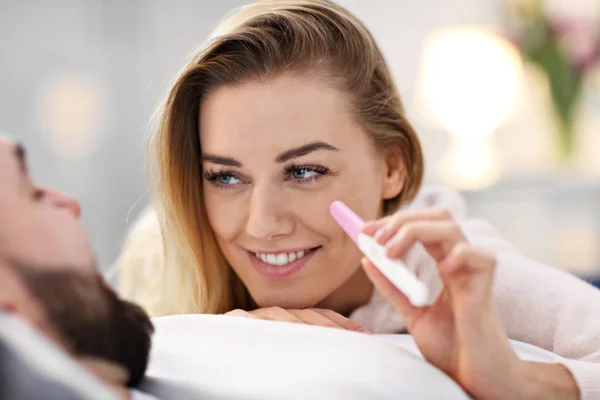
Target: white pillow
224 357
236 358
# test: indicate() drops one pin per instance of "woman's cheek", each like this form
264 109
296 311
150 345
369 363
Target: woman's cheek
313 211
360 189
225 217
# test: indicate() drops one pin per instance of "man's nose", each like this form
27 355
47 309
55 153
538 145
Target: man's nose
61 200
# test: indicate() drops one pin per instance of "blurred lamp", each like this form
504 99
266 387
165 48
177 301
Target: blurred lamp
469 83
71 111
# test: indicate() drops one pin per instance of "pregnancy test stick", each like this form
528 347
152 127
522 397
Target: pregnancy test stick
395 270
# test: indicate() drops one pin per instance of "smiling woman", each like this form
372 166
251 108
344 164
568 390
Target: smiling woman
281 123
297 149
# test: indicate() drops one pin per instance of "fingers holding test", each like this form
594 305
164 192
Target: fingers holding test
384 229
438 237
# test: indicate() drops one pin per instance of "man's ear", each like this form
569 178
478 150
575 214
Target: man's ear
395 175
17 300
9 289
15 297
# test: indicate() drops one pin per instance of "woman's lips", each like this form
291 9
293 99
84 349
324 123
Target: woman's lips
281 271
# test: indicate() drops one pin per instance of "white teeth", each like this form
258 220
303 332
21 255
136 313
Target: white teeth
281 258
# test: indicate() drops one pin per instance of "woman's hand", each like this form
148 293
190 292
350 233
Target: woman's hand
311 316
461 332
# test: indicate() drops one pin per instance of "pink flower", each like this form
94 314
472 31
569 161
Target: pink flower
578 38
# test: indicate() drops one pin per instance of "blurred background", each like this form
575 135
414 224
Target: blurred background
504 94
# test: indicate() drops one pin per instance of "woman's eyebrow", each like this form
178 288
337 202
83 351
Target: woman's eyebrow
226 161
304 150
281 158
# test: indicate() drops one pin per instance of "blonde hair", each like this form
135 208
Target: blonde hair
260 41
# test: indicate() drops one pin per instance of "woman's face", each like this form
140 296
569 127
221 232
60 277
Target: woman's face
275 156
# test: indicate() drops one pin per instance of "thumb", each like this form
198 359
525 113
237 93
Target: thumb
409 313
468 274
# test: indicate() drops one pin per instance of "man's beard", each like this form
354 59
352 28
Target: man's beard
90 318
75 307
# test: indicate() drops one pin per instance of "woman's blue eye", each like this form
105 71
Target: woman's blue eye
303 173
227 179
223 178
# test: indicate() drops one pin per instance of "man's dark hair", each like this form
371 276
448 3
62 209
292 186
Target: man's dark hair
91 319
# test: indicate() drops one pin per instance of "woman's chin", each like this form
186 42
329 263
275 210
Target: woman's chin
293 298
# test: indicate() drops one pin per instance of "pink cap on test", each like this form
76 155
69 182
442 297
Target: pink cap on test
348 220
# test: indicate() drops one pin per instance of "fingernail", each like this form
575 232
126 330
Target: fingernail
389 244
379 233
363 330
390 249
368 226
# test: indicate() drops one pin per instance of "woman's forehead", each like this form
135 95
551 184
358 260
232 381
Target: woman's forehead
287 112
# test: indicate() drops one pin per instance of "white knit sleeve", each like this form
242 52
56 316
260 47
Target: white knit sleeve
554 310
141 263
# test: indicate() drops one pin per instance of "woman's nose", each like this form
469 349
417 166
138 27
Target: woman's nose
61 200
268 217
